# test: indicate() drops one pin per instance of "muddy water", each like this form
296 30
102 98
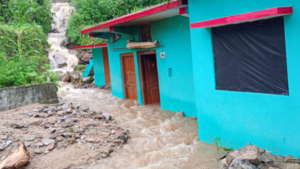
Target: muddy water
160 139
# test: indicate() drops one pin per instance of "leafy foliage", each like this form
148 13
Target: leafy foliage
80 68
91 12
217 143
29 11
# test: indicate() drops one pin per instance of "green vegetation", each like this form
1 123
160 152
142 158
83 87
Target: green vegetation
217 143
80 68
92 12
23 43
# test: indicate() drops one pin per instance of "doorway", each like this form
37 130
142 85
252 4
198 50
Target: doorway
106 66
129 78
149 76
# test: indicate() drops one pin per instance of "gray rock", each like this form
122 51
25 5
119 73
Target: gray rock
266 159
4 145
80 130
38 151
82 137
48 141
68 123
53 111
249 153
67 135
75 112
261 150
290 159
104 155
3 137
41 109
239 164
36 122
107 116
58 139
91 140
38 136
52 130
30 139
46 152
39 144
27 144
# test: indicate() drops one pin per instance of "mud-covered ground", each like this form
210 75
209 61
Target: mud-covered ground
155 138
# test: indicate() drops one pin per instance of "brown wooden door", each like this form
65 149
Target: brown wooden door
150 79
129 77
106 65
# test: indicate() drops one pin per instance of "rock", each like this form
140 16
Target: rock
17 125
290 166
36 122
239 164
104 155
82 137
16 159
68 123
51 146
107 116
67 135
38 137
48 141
53 111
84 57
266 159
249 153
123 137
61 113
41 109
65 43
91 140
4 145
75 112
65 78
39 144
290 159
84 107
3 137
71 140
52 130
80 130
38 151
35 110
27 144
59 108
58 139
261 150
30 139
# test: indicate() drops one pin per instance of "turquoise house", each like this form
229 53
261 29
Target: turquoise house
98 64
233 64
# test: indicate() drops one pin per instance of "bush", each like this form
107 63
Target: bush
23 58
91 12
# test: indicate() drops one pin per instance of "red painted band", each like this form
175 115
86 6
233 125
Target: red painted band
182 11
91 34
273 12
90 46
135 15
111 29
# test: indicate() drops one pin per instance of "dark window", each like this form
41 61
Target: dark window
251 57
145 33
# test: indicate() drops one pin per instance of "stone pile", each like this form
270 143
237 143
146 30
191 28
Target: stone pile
252 157
66 124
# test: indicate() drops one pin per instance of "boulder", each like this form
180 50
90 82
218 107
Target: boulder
84 57
249 153
290 159
65 78
4 145
60 60
239 164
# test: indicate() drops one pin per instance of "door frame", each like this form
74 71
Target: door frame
123 77
140 55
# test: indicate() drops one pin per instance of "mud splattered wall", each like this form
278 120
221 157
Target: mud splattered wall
269 121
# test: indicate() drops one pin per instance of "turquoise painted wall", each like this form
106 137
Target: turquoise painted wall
88 68
176 92
269 121
98 67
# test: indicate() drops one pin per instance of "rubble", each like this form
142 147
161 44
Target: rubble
252 157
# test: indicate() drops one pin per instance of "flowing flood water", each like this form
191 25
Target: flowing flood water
160 139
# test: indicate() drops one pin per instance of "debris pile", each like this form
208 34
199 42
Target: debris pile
252 157
62 126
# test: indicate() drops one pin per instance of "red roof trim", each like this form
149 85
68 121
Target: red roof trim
182 11
101 45
267 13
135 15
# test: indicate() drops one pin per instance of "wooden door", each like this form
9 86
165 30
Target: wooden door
129 77
106 65
150 79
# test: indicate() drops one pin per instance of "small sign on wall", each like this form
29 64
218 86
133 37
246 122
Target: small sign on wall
162 55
